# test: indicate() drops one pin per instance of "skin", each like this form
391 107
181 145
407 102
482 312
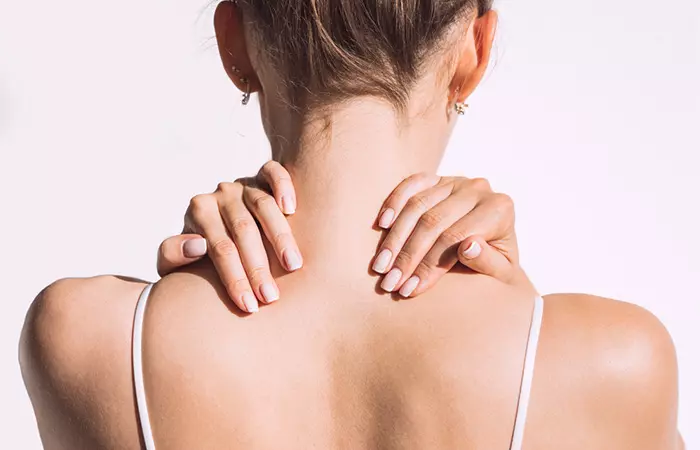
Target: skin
338 364
426 216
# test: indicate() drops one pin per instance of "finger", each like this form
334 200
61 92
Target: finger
398 199
405 223
494 220
496 259
436 225
248 240
280 182
275 226
481 257
474 253
179 251
204 212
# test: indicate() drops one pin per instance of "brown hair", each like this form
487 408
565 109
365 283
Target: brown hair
331 50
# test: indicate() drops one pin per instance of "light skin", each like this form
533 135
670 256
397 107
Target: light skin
337 364
433 224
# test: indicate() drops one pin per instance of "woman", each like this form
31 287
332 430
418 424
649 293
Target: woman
355 96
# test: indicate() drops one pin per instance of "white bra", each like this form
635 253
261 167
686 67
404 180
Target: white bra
523 397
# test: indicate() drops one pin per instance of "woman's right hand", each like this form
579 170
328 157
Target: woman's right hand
222 225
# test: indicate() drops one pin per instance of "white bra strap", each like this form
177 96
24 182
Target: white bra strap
528 372
137 362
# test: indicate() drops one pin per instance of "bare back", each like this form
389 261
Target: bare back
333 368
337 367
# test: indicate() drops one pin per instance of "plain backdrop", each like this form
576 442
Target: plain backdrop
114 114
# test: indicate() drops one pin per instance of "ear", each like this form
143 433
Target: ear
475 58
230 37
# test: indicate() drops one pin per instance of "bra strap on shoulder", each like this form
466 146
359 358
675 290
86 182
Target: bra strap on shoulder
137 366
528 372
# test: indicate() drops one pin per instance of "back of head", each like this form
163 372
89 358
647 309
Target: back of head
328 51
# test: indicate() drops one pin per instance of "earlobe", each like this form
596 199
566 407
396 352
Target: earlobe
230 37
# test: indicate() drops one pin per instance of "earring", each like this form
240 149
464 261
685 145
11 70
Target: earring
244 80
461 108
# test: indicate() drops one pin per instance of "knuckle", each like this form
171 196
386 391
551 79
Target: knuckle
257 274
263 201
419 203
403 259
451 237
227 189
279 239
237 285
275 172
241 226
224 186
166 251
200 204
423 270
481 184
430 221
504 203
223 248
505 200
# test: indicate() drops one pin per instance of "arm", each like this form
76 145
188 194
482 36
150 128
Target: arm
75 357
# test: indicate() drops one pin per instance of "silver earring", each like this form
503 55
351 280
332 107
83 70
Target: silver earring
244 80
461 108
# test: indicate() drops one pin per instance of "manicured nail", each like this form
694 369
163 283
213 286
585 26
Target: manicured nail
381 263
473 251
250 302
269 292
194 248
292 259
288 205
386 218
391 280
409 286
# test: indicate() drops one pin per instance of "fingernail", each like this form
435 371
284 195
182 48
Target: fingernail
250 302
194 248
409 286
292 259
391 280
288 205
381 263
473 251
386 218
269 292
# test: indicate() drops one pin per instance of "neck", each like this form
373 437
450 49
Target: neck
344 169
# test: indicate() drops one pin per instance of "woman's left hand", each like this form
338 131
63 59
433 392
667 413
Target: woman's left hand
436 222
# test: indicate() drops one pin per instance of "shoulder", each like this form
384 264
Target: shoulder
626 339
72 315
617 362
75 355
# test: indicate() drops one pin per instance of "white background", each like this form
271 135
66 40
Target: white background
113 114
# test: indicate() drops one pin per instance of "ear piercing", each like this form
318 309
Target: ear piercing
460 107
244 80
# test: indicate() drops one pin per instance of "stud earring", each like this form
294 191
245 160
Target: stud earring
461 108
244 80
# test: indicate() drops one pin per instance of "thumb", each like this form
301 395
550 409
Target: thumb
180 250
481 257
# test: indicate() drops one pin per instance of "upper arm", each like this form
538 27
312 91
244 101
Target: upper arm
619 371
75 358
